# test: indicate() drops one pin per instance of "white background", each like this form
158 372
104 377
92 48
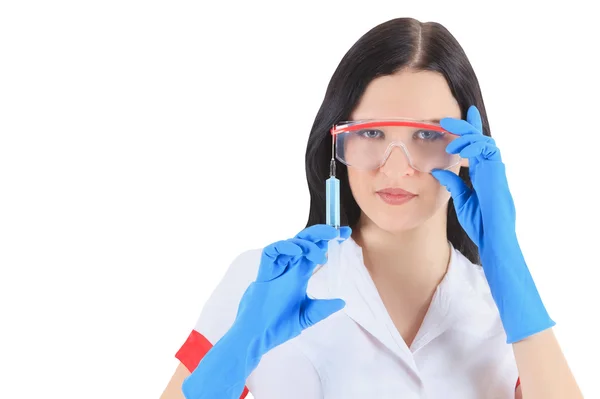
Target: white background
144 144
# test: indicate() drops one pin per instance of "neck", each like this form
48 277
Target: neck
418 257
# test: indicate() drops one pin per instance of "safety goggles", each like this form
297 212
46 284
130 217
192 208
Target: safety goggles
367 144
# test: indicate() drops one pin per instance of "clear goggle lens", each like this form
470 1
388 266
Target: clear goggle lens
367 144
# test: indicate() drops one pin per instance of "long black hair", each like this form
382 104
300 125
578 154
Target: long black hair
386 49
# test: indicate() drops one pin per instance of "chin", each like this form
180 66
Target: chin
397 221
399 226
403 218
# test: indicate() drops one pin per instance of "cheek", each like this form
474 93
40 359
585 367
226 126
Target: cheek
435 194
361 184
442 195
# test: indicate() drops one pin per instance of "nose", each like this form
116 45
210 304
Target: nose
396 162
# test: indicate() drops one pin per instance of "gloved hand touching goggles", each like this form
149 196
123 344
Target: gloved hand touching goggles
366 144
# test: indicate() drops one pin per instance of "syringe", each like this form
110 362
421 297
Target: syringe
332 193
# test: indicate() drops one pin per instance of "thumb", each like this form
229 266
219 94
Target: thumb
454 184
316 310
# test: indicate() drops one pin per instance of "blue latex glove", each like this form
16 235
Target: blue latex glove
487 214
274 309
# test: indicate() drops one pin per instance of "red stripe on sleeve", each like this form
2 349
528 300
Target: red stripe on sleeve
518 383
193 350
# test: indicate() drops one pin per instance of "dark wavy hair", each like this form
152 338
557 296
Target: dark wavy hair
388 48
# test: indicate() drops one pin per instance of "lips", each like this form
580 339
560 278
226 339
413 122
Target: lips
395 196
396 191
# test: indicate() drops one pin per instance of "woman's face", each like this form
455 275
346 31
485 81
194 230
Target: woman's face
409 94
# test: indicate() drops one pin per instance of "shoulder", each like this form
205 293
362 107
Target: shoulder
219 311
241 271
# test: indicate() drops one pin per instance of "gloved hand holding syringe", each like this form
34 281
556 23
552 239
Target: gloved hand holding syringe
275 307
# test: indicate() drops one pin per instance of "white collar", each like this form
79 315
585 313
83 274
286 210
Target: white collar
457 302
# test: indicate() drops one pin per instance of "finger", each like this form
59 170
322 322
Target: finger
284 247
485 150
345 232
457 145
276 258
458 127
455 185
318 233
311 251
474 118
315 310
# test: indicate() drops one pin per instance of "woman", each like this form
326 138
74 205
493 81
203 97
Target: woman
434 298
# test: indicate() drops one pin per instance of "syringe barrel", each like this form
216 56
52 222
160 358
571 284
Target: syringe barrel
332 192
